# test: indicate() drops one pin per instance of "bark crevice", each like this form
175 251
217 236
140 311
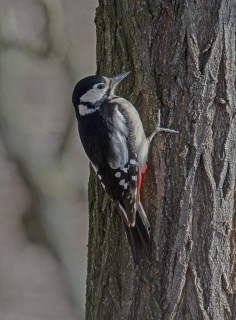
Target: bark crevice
182 58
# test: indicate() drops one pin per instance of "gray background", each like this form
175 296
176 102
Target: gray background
45 47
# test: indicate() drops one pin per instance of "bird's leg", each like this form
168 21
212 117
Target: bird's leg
159 129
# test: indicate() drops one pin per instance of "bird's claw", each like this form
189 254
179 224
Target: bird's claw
160 129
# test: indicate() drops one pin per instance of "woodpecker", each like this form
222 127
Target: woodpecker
113 138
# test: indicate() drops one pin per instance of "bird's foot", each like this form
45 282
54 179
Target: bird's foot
159 129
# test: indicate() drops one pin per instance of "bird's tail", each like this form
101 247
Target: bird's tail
139 235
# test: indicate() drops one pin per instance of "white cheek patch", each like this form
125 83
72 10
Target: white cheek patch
84 110
93 95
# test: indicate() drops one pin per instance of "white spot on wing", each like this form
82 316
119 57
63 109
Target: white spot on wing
118 174
132 161
122 182
134 178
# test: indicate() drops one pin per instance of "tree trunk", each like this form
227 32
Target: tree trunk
182 55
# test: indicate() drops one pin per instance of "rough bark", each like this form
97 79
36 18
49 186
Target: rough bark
182 58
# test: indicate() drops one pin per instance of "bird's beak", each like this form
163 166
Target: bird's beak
117 78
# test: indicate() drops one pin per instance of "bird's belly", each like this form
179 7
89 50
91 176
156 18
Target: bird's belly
143 154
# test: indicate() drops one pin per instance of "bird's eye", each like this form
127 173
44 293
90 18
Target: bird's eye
101 86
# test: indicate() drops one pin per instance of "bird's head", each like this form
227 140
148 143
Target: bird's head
91 91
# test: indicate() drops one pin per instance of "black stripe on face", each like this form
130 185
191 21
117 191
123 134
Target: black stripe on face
89 105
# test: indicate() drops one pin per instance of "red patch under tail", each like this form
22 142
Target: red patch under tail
141 172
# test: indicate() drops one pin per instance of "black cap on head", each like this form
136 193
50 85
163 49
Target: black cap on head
83 86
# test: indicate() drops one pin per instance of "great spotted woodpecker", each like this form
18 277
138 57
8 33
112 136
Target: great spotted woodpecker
114 140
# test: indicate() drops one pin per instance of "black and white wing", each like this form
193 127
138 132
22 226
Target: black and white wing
119 174
121 178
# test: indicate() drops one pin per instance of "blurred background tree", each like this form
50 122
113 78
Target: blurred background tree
45 47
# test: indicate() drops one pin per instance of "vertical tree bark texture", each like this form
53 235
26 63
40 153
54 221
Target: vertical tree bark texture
182 58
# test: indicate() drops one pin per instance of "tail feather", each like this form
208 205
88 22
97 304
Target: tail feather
144 235
134 242
139 235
